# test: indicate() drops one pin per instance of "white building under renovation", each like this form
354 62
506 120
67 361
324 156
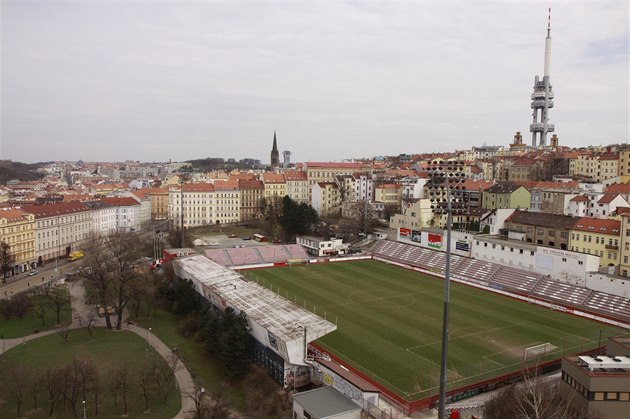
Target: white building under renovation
281 330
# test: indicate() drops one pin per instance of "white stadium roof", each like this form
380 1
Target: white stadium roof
278 315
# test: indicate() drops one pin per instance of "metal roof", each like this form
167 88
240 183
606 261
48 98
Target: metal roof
324 402
278 315
605 362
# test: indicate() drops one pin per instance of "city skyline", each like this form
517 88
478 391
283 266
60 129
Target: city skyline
159 81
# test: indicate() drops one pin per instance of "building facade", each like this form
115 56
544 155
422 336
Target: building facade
17 229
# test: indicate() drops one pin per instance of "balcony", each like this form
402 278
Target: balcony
611 247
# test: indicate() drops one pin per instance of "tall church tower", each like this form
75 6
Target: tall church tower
275 155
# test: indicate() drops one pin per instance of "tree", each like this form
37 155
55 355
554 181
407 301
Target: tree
200 401
164 375
53 382
297 218
534 398
234 343
7 259
58 299
23 304
146 382
124 249
119 384
96 272
15 383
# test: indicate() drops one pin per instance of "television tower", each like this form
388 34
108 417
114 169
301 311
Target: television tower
542 98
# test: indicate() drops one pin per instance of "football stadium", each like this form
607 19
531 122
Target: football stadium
380 316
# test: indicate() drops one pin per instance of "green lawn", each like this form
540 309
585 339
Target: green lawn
16 328
389 323
106 349
205 368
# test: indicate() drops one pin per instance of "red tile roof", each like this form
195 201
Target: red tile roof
607 198
250 184
269 177
53 210
333 165
225 185
197 187
623 188
598 225
13 214
579 198
296 175
125 201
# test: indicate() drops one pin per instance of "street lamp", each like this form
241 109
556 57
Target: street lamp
149 337
84 411
447 197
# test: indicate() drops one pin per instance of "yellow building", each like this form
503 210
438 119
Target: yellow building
325 172
388 193
159 202
599 237
275 186
297 185
506 195
17 229
227 202
326 199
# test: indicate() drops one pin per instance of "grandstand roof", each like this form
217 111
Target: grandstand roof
278 315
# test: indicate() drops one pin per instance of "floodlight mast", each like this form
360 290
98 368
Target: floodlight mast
446 177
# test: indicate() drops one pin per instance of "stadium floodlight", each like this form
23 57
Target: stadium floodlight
447 196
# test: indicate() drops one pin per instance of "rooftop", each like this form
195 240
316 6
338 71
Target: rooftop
278 315
598 225
542 219
56 209
325 402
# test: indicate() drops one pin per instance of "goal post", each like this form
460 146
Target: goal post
538 351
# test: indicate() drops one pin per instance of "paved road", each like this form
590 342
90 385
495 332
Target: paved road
81 312
23 282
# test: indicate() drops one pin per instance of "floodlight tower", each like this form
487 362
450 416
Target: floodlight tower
447 197
542 98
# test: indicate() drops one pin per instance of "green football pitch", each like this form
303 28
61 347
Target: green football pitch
389 324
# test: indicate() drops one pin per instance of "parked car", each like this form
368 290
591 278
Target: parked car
232 236
247 238
32 273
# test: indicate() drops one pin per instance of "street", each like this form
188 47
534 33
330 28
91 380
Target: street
23 282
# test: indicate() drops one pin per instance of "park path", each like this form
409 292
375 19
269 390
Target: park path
82 311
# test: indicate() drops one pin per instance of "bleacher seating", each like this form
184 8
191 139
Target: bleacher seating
295 251
608 303
561 291
271 254
506 277
244 256
518 280
220 256
475 269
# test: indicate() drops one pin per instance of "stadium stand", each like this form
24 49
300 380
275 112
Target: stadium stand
515 279
220 256
504 277
560 291
271 254
245 256
608 303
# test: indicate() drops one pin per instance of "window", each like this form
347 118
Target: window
598 395
580 262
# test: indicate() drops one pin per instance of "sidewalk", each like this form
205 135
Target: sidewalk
80 310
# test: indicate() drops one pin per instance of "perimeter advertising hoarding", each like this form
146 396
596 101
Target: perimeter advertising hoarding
416 236
405 232
435 241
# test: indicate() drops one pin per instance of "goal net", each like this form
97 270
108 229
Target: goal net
537 351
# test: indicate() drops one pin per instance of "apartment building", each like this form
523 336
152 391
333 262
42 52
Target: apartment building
275 186
197 202
624 265
17 229
128 212
297 185
252 194
103 217
159 202
227 208
506 195
326 172
539 228
59 228
597 237
388 194
326 198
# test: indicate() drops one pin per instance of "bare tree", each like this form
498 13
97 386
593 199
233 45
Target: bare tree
41 309
15 383
96 272
7 259
36 384
124 250
23 304
146 382
65 334
164 375
58 299
54 378
87 321
120 384
201 402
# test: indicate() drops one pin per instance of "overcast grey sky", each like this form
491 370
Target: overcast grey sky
149 80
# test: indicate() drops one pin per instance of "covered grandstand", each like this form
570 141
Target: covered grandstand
257 255
280 328
501 277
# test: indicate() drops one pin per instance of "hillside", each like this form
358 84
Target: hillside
16 170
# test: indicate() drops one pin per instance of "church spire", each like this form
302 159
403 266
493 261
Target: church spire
275 155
